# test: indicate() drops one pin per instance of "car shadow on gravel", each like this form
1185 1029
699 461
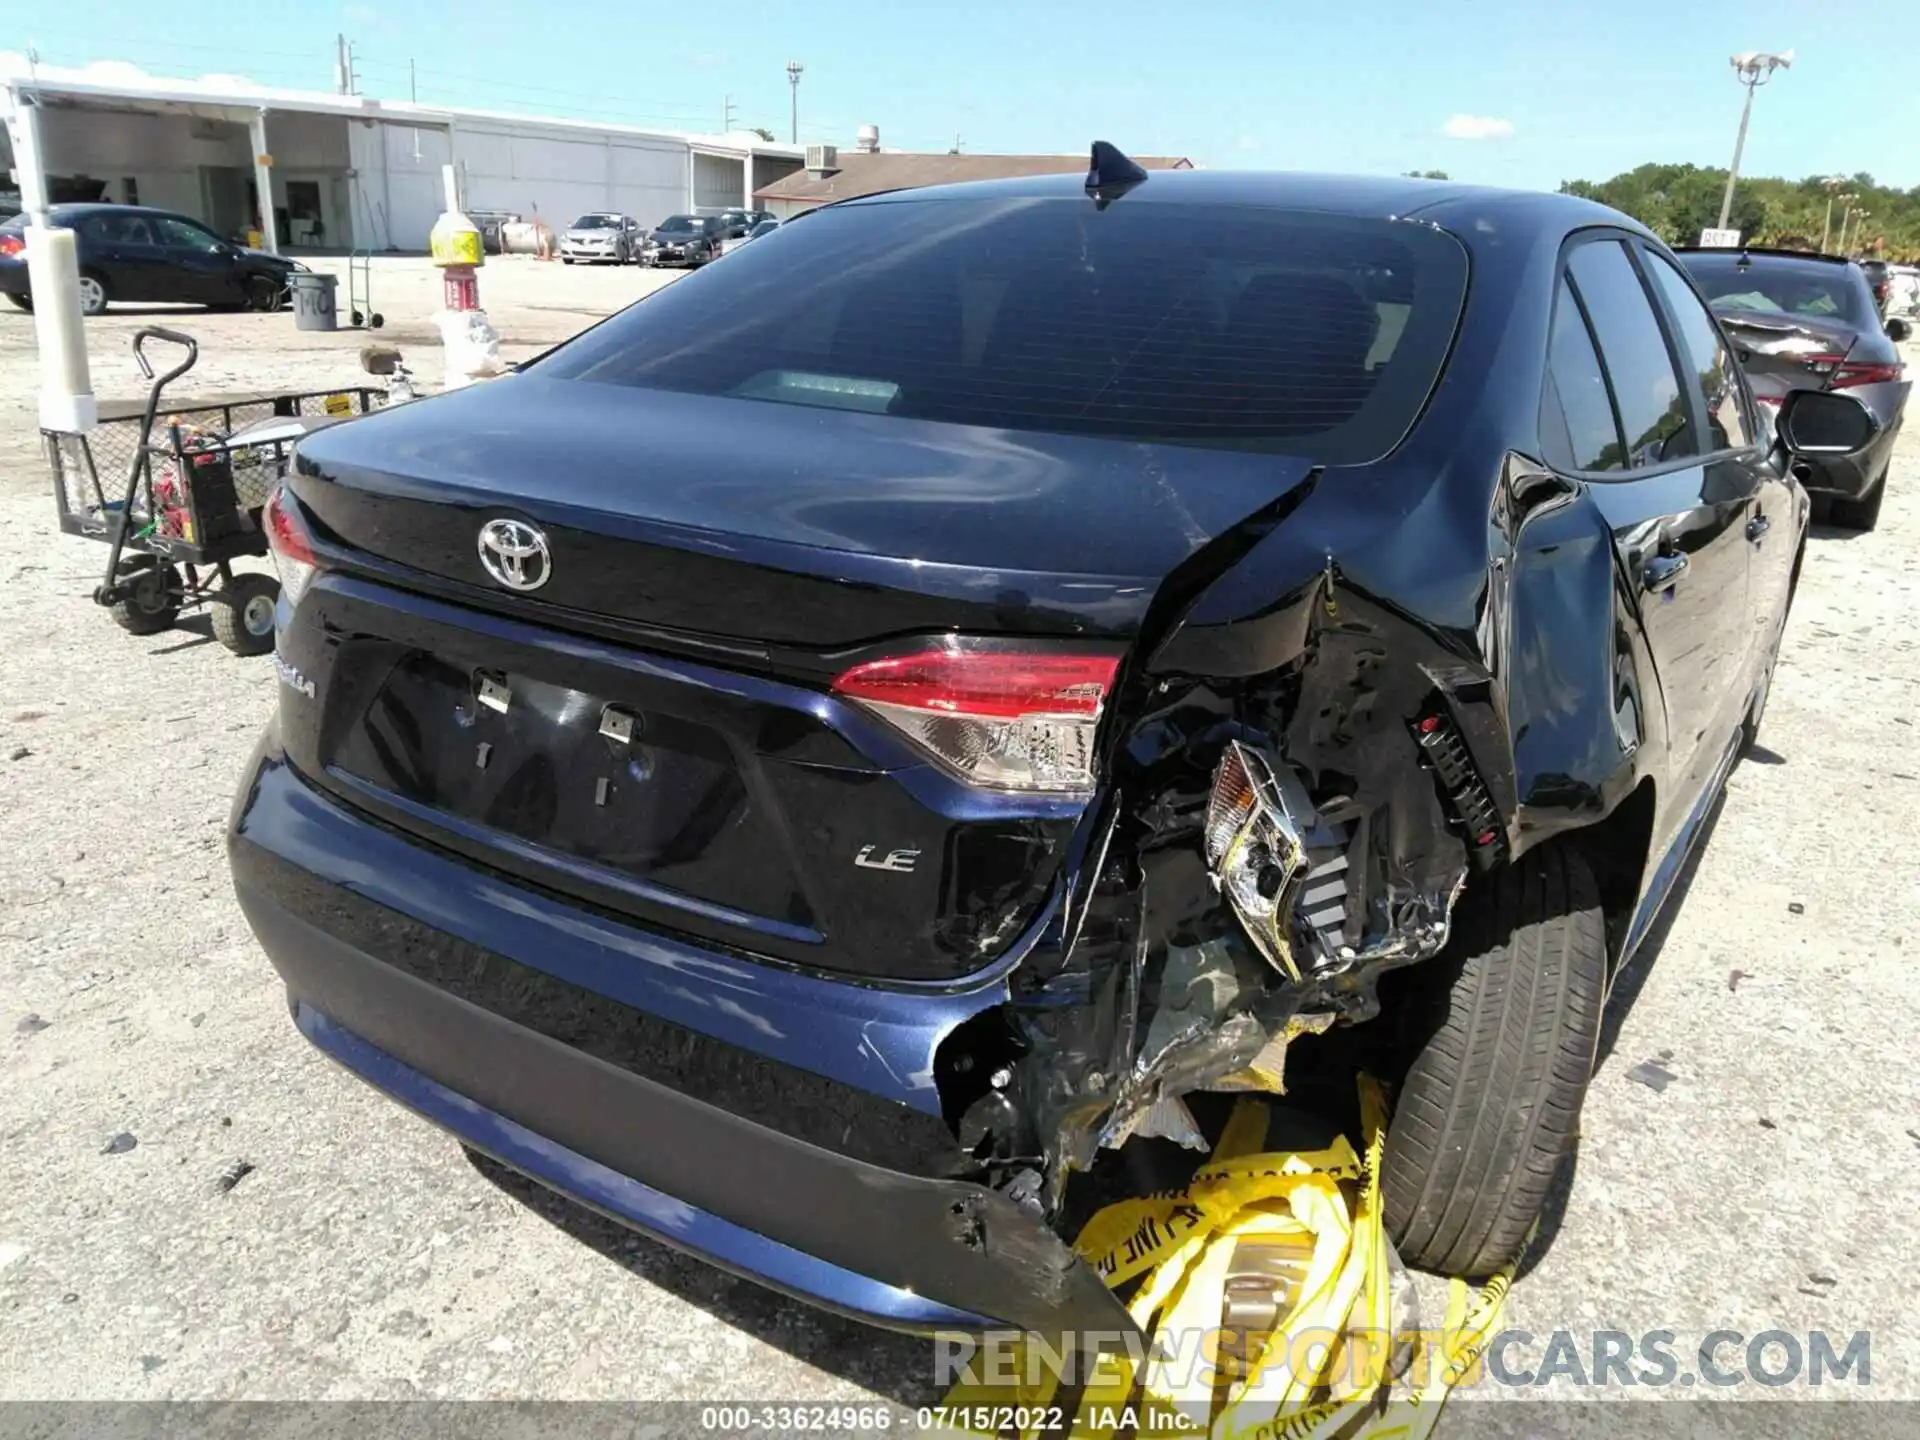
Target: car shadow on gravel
1627 986
895 1366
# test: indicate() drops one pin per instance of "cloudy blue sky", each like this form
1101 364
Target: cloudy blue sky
1499 91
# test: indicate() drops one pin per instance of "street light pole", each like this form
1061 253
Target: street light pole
1846 214
1830 184
794 68
1752 69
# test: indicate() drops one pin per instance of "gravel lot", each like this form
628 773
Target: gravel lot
1769 1186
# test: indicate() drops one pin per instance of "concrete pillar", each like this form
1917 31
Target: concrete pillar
263 181
28 158
53 275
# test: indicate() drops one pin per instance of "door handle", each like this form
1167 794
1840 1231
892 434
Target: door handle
1661 571
1757 527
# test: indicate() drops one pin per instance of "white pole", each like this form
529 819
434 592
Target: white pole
263 181
53 278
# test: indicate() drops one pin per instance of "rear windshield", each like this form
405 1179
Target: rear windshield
1197 324
1771 285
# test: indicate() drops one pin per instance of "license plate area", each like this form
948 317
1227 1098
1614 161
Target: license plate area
588 776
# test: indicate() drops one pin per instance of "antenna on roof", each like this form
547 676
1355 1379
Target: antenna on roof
1110 174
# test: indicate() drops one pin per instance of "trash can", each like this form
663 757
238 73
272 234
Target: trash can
313 300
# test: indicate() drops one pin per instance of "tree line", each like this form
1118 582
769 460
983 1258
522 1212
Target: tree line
1677 202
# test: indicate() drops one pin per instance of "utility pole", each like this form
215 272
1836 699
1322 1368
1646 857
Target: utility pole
794 69
1752 69
413 83
726 116
345 80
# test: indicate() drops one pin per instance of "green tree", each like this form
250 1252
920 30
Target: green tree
1677 202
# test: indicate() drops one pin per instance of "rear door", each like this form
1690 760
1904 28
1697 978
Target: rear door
1618 416
124 249
1740 458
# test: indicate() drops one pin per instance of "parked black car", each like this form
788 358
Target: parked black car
1810 322
1879 283
810 762
684 240
739 222
132 253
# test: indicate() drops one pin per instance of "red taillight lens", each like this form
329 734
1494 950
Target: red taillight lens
1006 718
292 548
12 245
1864 373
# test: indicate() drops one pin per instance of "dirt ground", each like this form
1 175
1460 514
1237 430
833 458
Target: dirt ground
1768 1186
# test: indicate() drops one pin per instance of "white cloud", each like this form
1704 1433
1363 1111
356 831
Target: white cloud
1477 127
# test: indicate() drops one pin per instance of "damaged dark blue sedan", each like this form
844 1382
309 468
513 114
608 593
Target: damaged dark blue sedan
824 763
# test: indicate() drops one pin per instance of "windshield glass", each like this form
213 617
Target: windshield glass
1279 330
765 227
596 222
678 223
1772 285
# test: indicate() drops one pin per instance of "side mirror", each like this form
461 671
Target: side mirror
1820 422
1898 330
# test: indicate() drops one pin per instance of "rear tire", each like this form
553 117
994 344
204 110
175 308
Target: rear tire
154 593
93 295
1862 514
21 302
1507 1031
243 614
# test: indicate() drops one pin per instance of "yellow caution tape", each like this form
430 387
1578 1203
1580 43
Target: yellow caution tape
1327 1369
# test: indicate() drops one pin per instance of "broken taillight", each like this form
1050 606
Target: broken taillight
1009 719
292 548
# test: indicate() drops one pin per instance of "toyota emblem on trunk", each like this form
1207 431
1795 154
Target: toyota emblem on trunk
515 554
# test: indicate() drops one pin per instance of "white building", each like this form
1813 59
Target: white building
349 172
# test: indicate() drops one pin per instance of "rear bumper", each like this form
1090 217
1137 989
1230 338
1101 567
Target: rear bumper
642 1095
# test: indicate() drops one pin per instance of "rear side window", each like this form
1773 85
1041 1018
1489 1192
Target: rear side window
1577 423
1654 414
1196 324
1705 357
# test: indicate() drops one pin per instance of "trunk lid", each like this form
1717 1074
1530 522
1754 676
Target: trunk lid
772 523
652 729
1787 352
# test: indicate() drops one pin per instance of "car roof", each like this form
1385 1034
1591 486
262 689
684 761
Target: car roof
1361 196
88 207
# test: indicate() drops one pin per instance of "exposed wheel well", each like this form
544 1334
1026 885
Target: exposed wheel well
1616 851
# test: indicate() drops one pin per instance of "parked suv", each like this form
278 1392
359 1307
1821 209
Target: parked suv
1810 322
812 762
129 252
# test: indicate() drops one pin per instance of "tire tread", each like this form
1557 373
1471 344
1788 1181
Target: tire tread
1492 1099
